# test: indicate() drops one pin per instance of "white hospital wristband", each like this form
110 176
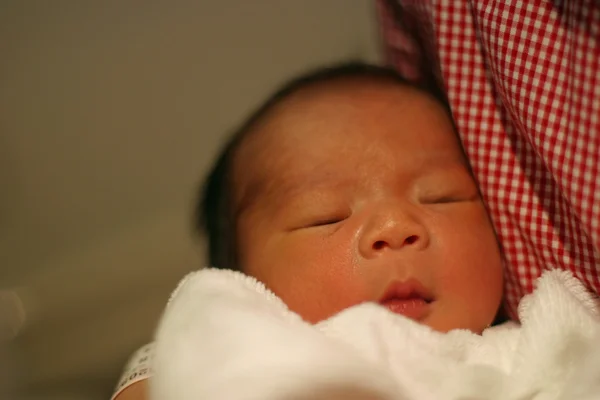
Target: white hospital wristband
138 368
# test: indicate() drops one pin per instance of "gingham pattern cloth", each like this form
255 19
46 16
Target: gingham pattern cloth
523 81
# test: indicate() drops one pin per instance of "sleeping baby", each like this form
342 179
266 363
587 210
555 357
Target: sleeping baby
355 259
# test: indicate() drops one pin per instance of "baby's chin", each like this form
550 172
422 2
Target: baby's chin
428 313
445 324
433 314
435 321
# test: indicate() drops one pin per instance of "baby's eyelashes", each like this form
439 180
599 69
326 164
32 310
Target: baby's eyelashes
449 199
319 222
443 200
327 221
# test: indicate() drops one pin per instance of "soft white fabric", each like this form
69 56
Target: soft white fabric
225 336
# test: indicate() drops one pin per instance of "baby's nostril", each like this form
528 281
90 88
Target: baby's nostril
378 245
411 239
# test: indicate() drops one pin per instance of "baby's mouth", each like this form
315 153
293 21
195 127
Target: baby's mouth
408 298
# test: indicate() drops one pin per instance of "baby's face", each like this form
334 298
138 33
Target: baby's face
357 192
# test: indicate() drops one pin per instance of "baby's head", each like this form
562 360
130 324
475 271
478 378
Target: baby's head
349 186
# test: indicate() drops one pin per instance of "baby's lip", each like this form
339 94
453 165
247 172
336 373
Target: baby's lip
409 289
408 298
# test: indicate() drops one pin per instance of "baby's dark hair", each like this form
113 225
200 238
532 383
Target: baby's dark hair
215 216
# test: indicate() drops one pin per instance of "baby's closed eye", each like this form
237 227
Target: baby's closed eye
448 198
316 209
321 220
446 188
447 192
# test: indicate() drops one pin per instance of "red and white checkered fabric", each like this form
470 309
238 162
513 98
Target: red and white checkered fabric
523 80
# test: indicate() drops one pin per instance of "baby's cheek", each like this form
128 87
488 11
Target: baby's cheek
322 281
471 268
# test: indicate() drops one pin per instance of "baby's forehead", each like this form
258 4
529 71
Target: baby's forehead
325 102
311 117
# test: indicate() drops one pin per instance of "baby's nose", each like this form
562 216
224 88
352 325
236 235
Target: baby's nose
381 244
393 231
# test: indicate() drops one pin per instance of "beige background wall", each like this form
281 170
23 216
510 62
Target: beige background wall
110 111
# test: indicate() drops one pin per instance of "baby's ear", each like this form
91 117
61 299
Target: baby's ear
409 41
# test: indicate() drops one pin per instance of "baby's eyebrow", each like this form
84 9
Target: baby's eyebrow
286 188
441 158
291 187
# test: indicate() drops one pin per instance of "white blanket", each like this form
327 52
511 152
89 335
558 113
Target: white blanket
224 336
